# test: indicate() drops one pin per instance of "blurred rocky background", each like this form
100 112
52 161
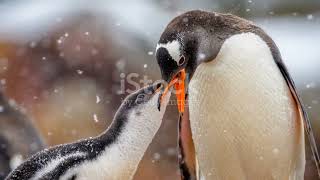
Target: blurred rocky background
68 63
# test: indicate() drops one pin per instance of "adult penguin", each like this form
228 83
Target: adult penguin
246 118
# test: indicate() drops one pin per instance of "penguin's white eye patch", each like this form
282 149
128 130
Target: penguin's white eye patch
173 49
181 60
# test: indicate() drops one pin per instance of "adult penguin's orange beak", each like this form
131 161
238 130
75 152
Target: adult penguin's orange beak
178 82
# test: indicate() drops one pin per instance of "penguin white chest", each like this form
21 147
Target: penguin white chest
244 120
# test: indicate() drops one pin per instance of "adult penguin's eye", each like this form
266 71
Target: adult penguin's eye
181 60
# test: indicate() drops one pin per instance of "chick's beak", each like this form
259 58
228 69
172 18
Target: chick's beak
178 82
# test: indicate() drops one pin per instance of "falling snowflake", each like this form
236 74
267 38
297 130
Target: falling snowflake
3 81
150 53
59 41
95 118
145 65
97 99
33 44
311 85
309 16
120 65
156 156
79 71
225 131
202 56
12 102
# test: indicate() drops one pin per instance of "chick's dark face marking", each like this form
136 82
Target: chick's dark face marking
140 97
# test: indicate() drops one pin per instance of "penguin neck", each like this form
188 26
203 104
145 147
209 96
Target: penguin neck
201 47
137 131
132 133
126 141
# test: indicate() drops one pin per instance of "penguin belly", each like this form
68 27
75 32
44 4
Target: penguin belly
244 119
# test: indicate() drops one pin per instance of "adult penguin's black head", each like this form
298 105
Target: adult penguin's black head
193 38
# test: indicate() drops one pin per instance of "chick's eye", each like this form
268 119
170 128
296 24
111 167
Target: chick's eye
181 60
140 98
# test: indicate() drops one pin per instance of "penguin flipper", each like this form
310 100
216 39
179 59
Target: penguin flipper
303 113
